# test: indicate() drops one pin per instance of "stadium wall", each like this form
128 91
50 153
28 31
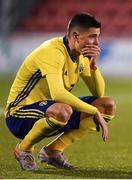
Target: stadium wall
115 59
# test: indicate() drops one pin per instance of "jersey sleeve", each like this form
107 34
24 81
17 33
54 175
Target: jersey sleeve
94 80
50 61
86 67
60 94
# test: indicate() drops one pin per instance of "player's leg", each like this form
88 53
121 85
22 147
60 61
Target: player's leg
53 152
56 116
19 128
56 158
105 105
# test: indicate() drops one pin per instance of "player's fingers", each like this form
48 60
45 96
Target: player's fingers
89 55
105 134
92 46
95 48
91 49
90 52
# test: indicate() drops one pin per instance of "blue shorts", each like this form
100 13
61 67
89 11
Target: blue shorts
20 126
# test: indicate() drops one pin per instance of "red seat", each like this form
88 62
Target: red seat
115 15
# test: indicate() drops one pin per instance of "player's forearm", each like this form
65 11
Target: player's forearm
66 97
99 82
95 83
60 94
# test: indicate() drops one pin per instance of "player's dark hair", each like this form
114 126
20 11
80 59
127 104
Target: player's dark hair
83 20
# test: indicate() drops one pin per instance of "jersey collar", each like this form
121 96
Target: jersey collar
65 41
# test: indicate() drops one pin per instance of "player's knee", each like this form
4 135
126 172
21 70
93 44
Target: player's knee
65 113
59 111
109 105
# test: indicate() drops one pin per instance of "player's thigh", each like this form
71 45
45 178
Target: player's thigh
24 118
20 127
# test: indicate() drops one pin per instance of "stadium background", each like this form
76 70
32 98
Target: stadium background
26 24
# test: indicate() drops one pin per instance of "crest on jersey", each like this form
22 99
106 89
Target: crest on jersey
81 68
43 103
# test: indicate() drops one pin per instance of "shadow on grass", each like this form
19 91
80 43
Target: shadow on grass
53 173
87 173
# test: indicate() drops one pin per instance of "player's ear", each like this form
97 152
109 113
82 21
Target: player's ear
75 35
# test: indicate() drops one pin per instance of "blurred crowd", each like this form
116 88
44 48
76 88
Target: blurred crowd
53 15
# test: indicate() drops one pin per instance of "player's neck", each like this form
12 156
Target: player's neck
72 48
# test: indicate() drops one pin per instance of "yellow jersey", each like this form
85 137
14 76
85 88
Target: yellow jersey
50 72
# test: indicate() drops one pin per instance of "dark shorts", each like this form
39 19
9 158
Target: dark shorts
20 126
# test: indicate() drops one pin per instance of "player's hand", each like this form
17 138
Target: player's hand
92 52
100 120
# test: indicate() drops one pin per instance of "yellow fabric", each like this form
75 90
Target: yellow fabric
95 82
67 138
67 97
108 117
41 129
56 144
33 81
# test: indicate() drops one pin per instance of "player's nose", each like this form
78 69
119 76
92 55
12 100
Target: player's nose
96 41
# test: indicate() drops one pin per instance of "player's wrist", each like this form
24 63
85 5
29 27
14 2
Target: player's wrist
93 68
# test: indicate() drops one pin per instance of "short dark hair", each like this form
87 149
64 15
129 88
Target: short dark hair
83 20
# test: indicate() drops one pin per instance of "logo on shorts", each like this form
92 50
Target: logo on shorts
43 103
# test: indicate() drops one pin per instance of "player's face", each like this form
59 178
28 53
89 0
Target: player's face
89 37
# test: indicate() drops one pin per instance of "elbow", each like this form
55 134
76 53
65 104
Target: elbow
59 95
56 96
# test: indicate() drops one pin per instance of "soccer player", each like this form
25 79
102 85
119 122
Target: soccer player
40 102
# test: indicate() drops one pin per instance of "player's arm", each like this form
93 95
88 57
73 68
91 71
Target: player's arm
52 68
94 79
95 82
59 93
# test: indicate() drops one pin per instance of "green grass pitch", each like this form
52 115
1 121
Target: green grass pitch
95 159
